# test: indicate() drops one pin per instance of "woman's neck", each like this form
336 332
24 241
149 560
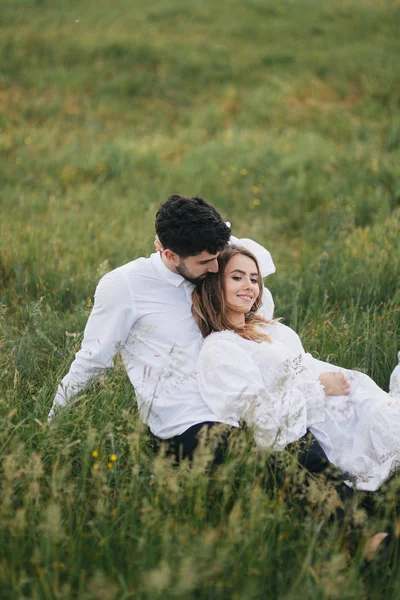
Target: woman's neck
237 319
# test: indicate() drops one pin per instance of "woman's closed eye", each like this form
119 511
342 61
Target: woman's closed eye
239 278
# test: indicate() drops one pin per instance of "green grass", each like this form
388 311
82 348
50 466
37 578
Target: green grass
286 116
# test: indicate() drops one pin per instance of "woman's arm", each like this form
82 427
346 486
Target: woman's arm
231 385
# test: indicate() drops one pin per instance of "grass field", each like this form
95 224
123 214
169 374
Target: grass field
286 116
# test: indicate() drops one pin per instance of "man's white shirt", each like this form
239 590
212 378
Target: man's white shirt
143 310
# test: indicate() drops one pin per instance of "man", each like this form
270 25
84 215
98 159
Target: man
143 311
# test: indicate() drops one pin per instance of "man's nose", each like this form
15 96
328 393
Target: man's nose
213 266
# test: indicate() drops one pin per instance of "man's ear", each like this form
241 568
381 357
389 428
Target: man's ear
158 245
171 256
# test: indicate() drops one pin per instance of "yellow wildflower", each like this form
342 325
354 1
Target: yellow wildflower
113 457
256 201
244 171
110 465
95 453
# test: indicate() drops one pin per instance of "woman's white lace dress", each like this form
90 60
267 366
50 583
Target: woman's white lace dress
274 388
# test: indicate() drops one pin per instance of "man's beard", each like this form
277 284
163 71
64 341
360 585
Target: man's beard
183 271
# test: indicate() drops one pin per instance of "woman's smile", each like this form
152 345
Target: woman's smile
245 297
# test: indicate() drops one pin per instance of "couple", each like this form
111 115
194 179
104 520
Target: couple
143 310
251 368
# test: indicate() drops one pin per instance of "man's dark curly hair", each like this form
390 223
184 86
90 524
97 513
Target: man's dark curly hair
190 226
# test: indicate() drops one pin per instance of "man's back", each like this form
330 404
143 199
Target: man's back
143 310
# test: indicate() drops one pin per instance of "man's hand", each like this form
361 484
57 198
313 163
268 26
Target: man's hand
335 384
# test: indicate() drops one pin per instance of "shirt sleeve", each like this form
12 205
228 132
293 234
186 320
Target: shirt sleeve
267 267
267 307
231 385
105 333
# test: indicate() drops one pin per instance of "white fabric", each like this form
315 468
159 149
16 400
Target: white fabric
275 388
143 311
261 384
394 385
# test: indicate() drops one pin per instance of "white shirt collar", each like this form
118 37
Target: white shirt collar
174 278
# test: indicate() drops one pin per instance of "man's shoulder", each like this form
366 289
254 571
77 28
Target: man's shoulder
127 273
138 266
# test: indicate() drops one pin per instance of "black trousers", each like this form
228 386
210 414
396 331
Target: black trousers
184 445
311 456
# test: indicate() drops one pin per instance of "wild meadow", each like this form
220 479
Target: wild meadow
286 116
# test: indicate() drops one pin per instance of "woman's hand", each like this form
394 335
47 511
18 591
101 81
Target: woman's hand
335 384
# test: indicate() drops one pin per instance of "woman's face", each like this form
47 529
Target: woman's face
241 284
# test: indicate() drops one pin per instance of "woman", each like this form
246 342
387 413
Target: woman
257 371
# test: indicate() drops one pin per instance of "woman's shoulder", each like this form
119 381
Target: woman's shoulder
219 337
228 351
277 330
276 326
229 346
282 333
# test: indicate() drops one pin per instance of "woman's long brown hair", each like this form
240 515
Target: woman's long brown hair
209 306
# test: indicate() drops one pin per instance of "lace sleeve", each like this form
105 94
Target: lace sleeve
229 381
